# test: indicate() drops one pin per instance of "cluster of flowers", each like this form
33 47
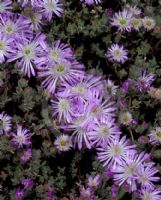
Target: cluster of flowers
82 102
128 19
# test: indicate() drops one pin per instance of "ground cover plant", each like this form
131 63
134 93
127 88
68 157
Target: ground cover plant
80 111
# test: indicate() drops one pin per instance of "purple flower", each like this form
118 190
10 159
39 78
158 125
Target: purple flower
64 71
155 136
117 53
85 193
90 2
63 143
103 132
15 26
125 86
26 52
20 193
27 183
5 123
5 47
62 108
94 181
126 171
22 137
146 175
5 5
98 108
144 81
147 194
114 190
115 152
27 154
122 20
50 7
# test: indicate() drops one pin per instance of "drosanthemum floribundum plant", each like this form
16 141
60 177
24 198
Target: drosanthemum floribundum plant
91 2
5 5
103 132
125 118
21 137
94 181
126 171
20 194
114 152
144 81
26 52
63 71
5 123
117 53
146 175
63 143
50 7
5 47
155 136
111 88
149 194
122 20
15 26
27 154
148 23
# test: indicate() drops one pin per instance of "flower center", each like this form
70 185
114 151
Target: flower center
143 179
136 22
9 29
116 150
51 5
104 131
123 22
117 53
126 118
54 53
60 69
148 23
20 139
64 104
158 134
131 170
2 46
63 143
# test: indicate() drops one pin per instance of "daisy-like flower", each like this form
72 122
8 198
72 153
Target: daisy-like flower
5 5
50 7
91 2
22 137
111 88
117 53
155 136
36 19
125 118
122 20
80 129
63 143
144 81
148 23
115 152
146 175
147 194
98 108
86 193
15 26
5 123
82 89
103 132
26 52
126 172
136 23
93 182
62 108
5 47
60 51
134 10
64 71
20 194
27 154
